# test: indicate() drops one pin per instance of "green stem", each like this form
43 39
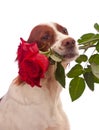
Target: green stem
86 47
92 40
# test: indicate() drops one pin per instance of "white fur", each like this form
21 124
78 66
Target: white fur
26 108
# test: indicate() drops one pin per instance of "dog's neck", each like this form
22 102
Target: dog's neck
51 83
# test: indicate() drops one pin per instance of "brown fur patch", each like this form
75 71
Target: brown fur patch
43 35
61 29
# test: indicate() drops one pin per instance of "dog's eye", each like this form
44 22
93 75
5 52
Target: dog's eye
64 30
45 37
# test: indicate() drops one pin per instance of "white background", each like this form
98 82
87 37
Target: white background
18 17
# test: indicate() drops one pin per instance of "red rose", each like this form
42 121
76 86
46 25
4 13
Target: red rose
32 64
25 49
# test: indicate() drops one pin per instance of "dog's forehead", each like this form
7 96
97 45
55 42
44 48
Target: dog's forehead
52 25
55 26
42 28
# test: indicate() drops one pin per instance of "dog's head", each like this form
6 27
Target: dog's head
54 36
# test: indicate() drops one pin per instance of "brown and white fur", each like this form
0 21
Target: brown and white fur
27 108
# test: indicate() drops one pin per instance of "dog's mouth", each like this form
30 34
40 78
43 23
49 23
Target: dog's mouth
71 55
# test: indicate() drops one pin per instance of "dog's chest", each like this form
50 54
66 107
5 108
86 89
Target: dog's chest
18 112
23 117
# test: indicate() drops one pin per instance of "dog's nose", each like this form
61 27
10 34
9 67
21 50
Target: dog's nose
68 42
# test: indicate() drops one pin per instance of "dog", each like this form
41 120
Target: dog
34 108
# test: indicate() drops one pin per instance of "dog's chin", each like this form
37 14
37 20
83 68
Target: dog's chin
69 56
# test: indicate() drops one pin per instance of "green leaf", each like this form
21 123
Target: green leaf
81 58
76 88
94 59
75 71
96 36
88 69
84 38
97 46
89 78
60 74
95 69
96 26
96 80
